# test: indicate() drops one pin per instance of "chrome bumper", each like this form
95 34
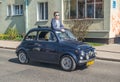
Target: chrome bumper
85 61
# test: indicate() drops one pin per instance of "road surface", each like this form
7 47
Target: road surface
12 71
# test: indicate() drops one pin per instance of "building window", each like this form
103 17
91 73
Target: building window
42 11
14 10
9 10
70 9
81 9
17 9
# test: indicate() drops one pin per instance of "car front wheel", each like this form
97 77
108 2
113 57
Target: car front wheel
68 63
22 57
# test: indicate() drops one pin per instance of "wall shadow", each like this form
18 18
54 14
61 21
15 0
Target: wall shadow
17 22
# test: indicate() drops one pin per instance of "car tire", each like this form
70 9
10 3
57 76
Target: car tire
22 57
84 66
68 63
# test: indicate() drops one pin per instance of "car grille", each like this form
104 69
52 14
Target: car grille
89 53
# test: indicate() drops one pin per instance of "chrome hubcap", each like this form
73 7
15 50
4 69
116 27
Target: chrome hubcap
66 63
22 57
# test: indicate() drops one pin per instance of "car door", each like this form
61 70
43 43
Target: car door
51 52
48 47
31 45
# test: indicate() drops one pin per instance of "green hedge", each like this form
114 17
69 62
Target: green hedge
4 36
11 34
7 37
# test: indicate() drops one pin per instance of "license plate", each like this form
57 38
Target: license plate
90 63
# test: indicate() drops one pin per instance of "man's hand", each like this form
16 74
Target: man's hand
63 30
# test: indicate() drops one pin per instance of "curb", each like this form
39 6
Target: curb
8 48
108 59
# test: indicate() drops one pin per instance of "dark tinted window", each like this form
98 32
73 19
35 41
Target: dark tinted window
31 36
46 36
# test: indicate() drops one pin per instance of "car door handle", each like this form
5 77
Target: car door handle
50 50
37 44
36 49
30 44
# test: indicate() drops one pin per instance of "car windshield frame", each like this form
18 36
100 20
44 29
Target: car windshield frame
65 36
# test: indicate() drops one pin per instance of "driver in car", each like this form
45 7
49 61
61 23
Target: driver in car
56 24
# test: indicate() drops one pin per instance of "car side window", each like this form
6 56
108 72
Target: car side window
31 36
46 36
51 37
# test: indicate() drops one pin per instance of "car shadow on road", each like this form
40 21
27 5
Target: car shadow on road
44 65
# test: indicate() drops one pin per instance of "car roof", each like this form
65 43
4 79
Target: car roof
41 28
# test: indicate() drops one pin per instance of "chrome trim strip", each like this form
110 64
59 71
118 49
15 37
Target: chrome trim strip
85 61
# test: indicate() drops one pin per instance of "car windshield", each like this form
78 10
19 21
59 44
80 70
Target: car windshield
67 35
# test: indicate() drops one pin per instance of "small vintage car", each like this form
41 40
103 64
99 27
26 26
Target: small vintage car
53 46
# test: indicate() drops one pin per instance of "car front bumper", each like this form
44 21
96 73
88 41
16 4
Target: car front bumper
87 62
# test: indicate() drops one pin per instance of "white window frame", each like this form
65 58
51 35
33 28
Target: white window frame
9 10
38 12
20 10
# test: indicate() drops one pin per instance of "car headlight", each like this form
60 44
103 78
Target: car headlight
95 51
81 58
82 53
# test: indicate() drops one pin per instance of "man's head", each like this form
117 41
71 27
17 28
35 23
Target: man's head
56 15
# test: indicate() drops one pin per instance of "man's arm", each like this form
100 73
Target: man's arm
54 26
61 25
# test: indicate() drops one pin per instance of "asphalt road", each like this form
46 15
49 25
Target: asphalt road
12 71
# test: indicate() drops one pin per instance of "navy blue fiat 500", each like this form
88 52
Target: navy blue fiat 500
51 46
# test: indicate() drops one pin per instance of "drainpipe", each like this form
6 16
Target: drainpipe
26 15
62 11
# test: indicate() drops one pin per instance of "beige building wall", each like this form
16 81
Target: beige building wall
53 5
107 27
101 26
11 21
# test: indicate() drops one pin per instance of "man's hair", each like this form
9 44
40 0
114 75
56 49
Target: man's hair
55 13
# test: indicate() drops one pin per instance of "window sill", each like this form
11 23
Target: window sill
84 19
16 15
101 31
42 20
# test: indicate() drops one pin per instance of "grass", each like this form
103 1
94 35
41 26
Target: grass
94 44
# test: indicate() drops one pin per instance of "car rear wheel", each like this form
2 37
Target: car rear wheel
68 63
22 57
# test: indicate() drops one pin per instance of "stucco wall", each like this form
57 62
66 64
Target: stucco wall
0 17
101 29
11 21
101 26
53 5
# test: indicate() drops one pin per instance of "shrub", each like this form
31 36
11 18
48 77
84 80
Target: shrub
1 36
80 27
12 32
4 37
19 38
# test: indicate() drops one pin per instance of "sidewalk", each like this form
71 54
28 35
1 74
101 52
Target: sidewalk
107 52
9 44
